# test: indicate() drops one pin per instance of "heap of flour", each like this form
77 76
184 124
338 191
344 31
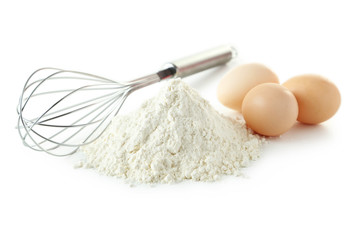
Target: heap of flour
174 136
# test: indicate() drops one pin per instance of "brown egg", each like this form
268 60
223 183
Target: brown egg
236 83
270 109
318 98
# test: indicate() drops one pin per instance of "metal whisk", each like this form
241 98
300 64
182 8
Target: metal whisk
61 110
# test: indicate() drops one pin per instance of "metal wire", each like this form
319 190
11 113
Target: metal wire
76 114
60 110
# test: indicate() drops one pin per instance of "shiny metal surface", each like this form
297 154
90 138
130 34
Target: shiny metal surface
62 110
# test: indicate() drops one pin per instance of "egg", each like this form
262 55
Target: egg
270 109
236 83
318 98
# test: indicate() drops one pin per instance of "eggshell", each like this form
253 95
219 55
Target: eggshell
236 83
318 98
270 109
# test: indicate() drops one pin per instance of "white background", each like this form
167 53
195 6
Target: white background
306 184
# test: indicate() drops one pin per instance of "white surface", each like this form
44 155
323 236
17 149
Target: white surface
305 186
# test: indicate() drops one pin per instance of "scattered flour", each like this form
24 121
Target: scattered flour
174 136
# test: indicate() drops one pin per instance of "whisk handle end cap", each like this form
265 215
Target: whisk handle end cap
203 60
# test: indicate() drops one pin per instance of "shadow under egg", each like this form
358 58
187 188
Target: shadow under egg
304 133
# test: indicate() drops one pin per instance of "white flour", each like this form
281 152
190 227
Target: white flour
175 136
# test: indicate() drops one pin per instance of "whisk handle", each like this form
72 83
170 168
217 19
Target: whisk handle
203 60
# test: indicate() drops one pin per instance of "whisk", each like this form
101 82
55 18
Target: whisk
61 110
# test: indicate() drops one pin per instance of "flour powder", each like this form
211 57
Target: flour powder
174 136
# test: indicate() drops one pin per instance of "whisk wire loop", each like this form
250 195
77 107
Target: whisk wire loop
62 110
